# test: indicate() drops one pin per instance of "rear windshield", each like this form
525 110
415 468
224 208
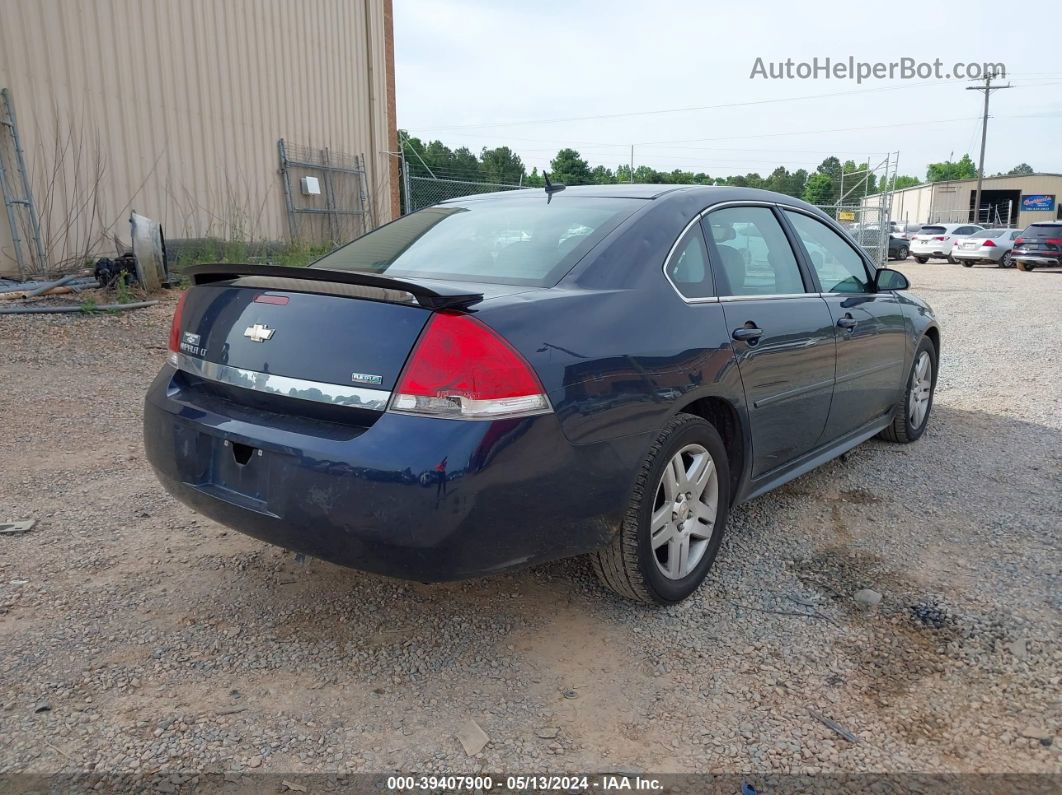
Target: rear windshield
519 240
989 233
932 230
1043 230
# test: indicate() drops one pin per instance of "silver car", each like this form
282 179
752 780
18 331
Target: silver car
988 245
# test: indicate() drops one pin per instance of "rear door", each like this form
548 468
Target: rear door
782 333
868 326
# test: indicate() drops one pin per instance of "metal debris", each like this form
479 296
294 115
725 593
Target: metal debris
834 725
472 737
17 527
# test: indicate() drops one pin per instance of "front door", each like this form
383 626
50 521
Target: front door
782 334
868 326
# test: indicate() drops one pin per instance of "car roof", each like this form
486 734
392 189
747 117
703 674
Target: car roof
710 194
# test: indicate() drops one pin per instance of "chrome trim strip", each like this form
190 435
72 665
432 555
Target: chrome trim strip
774 297
272 384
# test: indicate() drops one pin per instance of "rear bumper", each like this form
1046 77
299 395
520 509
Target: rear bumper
979 256
1047 262
412 497
922 250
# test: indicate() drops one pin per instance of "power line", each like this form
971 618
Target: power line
629 114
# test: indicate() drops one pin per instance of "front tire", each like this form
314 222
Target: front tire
921 260
676 517
911 413
967 263
902 252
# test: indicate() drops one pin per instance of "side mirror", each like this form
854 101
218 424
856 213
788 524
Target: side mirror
887 279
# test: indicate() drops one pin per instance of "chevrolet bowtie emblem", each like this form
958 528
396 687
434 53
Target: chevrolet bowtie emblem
259 333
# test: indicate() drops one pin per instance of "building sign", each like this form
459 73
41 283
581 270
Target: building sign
845 215
1038 203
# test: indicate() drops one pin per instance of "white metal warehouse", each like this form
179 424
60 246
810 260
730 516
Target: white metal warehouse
175 108
1021 200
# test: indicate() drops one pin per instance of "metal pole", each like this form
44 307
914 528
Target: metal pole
632 163
988 89
406 182
292 223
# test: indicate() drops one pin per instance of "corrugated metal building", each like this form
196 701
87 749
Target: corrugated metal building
175 108
1022 199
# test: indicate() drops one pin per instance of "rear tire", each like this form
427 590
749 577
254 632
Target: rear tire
1005 261
636 564
921 260
912 410
967 263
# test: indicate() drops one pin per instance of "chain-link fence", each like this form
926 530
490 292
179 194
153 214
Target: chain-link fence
867 226
420 192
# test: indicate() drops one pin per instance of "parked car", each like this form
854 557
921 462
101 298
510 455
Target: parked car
611 391
988 245
899 247
869 237
1039 246
935 241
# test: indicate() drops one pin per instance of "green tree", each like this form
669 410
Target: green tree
569 168
901 182
819 189
647 175
950 170
1021 170
534 179
601 175
623 173
501 165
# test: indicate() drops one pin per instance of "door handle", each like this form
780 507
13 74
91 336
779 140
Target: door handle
847 322
749 334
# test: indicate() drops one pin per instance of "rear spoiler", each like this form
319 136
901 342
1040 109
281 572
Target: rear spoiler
440 297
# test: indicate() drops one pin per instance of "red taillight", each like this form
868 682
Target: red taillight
988 244
175 329
1054 241
1019 241
462 369
940 238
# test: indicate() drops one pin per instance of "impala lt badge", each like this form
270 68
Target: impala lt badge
259 333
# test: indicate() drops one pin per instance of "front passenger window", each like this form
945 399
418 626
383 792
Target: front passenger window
753 254
839 267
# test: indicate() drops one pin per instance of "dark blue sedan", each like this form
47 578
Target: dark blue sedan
511 378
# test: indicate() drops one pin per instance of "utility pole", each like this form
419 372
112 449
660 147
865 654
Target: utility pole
988 88
632 163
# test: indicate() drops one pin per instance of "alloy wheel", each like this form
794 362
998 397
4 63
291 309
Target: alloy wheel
921 390
684 511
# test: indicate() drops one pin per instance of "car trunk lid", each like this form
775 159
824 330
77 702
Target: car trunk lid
304 340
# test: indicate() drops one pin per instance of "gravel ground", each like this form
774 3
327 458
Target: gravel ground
138 637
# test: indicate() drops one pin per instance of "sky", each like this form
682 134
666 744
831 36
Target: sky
673 78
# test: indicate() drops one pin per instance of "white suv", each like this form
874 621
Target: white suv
935 241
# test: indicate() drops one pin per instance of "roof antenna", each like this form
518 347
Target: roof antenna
551 188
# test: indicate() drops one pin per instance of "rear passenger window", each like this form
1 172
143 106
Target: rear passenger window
751 253
688 267
839 267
